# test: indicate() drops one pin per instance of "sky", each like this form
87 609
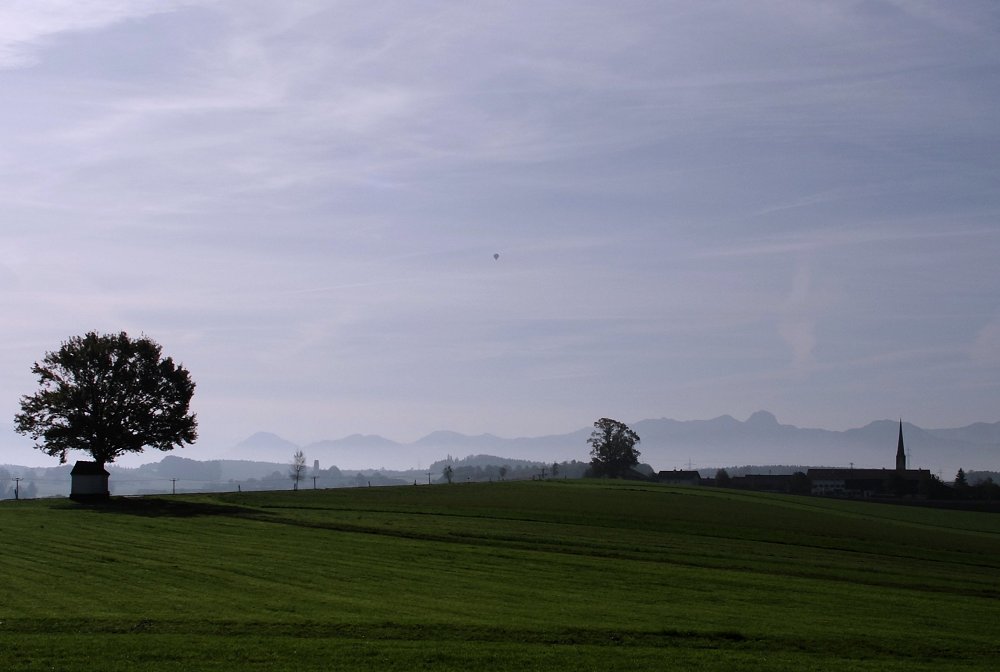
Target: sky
699 209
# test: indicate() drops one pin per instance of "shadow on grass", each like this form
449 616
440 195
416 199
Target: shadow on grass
155 507
387 631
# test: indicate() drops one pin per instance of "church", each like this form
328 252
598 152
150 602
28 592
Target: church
898 482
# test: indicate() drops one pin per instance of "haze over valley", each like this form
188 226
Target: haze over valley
668 444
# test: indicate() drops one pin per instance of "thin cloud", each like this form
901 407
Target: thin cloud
26 26
697 205
812 242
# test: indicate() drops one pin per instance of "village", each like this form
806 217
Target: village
897 483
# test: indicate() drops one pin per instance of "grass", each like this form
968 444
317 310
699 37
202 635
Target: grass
574 575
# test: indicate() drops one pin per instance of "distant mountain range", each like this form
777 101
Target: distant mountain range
669 444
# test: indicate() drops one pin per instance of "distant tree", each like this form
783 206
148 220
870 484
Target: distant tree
612 450
986 489
975 477
935 488
555 469
448 473
799 484
108 395
502 472
722 479
960 481
297 469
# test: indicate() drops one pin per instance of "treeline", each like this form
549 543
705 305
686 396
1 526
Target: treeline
755 469
174 474
976 485
179 474
971 486
483 468
29 483
16 487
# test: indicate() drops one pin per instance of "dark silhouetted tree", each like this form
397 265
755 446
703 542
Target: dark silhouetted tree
722 479
555 469
960 481
799 484
986 489
297 469
502 471
612 448
935 488
448 473
108 395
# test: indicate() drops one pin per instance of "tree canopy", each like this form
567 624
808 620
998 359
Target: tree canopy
612 450
107 395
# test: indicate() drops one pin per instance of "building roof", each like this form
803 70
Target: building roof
679 474
841 474
85 468
764 478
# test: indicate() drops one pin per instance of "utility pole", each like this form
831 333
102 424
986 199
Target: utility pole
173 486
17 487
314 482
428 478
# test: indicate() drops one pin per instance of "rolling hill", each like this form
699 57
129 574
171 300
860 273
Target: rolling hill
564 575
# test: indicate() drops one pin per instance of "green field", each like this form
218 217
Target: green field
572 575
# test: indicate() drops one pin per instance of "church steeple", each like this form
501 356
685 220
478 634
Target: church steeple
900 452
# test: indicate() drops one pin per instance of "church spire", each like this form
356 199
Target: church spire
900 452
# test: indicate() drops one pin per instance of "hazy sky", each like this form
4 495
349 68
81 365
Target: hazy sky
700 208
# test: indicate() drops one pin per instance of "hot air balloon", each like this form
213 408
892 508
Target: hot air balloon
496 256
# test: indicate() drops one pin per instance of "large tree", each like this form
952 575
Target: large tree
612 448
108 395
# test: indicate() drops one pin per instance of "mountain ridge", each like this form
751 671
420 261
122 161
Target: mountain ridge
667 443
